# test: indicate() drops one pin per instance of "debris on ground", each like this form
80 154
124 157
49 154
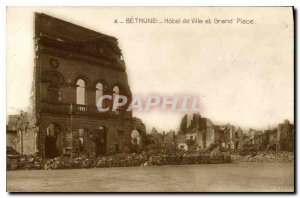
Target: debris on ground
154 156
269 157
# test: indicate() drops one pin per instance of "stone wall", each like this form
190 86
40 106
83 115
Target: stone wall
285 136
65 53
117 130
13 139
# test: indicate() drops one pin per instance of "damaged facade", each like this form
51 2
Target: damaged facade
21 134
285 136
229 137
202 133
161 139
74 66
224 135
170 138
199 132
279 139
238 138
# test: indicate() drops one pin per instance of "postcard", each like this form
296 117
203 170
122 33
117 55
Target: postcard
150 99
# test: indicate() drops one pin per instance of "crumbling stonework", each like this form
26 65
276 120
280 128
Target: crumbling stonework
285 136
238 138
74 66
13 140
20 134
170 138
156 137
229 137
200 132
251 135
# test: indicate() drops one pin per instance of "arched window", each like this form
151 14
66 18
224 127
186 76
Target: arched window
99 91
53 88
80 92
53 93
116 91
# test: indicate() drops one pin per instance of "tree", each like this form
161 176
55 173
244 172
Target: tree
20 122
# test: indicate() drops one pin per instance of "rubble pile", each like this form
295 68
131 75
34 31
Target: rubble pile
152 157
11 151
269 157
24 162
121 160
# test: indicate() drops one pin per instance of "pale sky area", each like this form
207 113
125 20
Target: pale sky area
243 74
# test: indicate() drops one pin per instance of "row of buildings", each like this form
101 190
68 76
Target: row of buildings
280 138
197 132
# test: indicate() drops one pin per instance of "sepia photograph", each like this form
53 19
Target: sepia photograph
150 99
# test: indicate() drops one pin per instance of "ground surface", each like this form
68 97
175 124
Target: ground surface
248 176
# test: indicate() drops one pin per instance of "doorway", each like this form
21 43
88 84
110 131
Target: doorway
100 141
52 141
236 145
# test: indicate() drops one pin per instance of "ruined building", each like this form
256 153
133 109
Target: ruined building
21 133
198 131
202 133
156 137
285 136
279 139
228 136
74 66
161 139
224 135
170 138
252 134
238 138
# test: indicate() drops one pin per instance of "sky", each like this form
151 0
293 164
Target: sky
242 74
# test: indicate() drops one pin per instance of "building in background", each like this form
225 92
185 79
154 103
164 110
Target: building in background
181 142
21 135
156 137
223 135
251 135
199 132
285 136
238 138
170 138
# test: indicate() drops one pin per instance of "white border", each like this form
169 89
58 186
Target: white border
5 3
